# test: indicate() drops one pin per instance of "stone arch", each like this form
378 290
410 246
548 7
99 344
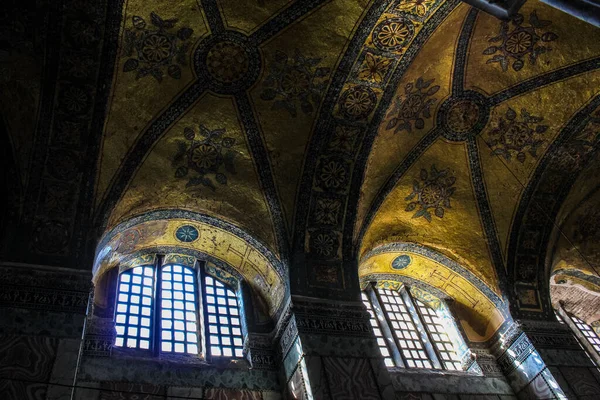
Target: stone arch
201 237
534 231
479 309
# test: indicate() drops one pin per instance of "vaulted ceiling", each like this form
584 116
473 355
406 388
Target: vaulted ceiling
332 128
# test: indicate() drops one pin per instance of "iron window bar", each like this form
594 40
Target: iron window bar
402 330
184 310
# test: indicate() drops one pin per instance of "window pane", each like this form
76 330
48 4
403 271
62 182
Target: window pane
223 320
403 323
178 328
134 300
588 332
381 342
440 337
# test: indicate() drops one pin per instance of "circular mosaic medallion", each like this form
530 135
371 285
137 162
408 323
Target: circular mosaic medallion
357 102
463 117
401 262
186 233
228 62
393 34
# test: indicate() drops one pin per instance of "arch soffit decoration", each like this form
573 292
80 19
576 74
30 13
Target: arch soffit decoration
530 249
480 310
194 235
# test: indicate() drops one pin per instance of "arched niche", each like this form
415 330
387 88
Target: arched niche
197 236
480 311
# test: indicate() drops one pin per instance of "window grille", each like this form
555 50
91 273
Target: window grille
440 337
179 331
381 343
408 332
590 335
133 320
403 326
224 324
176 299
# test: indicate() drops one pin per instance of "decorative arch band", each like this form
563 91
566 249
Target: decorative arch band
185 237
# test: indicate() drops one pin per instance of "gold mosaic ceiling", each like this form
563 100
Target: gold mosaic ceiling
213 111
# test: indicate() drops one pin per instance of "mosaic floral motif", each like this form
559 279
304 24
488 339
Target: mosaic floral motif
343 138
152 50
327 211
75 99
414 106
517 135
374 68
227 62
522 40
358 102
324 244
574 154
432 190
419 8
393 34
186 233
333 174
294 81
205 156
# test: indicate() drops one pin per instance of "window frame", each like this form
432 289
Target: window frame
430 346
567 319
204 354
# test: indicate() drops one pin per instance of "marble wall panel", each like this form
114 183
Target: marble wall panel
131 391
176 374
25 366
64 370
581 381
317 378
231 394
448 383
350 378
20 321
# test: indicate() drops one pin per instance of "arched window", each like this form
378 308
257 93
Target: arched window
588 333
177 309
409 332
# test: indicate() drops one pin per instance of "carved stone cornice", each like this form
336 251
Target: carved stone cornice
99 337
44 288
515 354
334 318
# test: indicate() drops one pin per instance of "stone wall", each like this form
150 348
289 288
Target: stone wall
318 350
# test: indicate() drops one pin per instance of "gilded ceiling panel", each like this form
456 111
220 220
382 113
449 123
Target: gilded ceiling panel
154 65
434 204
507 114
478 309
294 80
202 164
408 118
504 193
538 40
246 15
